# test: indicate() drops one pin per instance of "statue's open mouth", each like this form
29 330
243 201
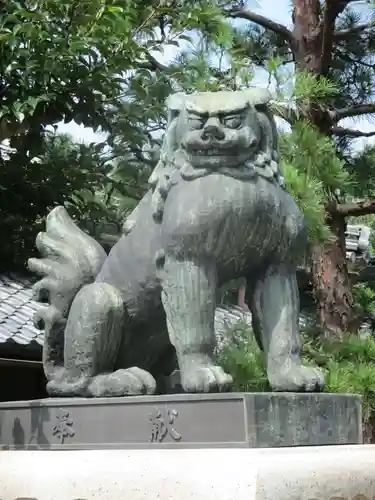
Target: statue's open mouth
211 152
214 151
212 158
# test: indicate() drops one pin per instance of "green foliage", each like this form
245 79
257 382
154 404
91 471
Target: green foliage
309 90
315 155
300 92
349 368
259 45
243 359
62 60
364 298
34 187
313 173
353 58
204 16
348 365
361 167
308 193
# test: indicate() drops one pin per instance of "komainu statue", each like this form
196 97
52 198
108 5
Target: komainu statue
216 210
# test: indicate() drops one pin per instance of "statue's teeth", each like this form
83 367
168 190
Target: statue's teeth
209 152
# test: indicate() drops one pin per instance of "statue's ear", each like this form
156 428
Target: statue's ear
174 105
258 97
176 101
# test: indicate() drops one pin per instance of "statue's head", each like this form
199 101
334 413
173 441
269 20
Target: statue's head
228 132
218 128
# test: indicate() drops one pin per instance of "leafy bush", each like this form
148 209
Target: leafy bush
242 358
364 298
348 365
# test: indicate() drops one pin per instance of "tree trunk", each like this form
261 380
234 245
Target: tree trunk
312 47
307 35
331 282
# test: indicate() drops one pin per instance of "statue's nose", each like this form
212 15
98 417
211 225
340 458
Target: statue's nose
212 130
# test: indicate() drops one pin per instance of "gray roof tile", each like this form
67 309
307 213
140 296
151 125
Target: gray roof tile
11 326
20 339
17 309
3 336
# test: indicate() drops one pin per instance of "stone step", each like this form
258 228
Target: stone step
305 473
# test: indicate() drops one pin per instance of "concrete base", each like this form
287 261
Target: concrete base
306 473
233 420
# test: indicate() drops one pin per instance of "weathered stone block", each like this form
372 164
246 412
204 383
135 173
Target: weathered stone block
255 420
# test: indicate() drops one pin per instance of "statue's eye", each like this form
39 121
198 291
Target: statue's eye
233 122
195 123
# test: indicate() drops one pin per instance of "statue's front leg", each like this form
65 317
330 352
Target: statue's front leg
189 301
275 312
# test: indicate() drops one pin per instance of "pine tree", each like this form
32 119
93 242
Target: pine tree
331 46
330 42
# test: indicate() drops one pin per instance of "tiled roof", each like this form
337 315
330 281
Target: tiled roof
17 309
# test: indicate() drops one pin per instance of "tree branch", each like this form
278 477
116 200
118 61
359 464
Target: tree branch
357 110
277 28
347 132
332 9
358 62
152 63
366 207
355 30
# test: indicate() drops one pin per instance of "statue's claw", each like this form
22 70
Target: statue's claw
297 378
206 379
130 382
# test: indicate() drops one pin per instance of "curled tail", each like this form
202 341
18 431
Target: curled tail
69 259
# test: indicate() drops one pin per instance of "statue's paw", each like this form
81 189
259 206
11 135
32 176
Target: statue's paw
130 382
63 387
206 379
298 378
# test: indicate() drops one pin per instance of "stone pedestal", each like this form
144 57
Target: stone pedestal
233 420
